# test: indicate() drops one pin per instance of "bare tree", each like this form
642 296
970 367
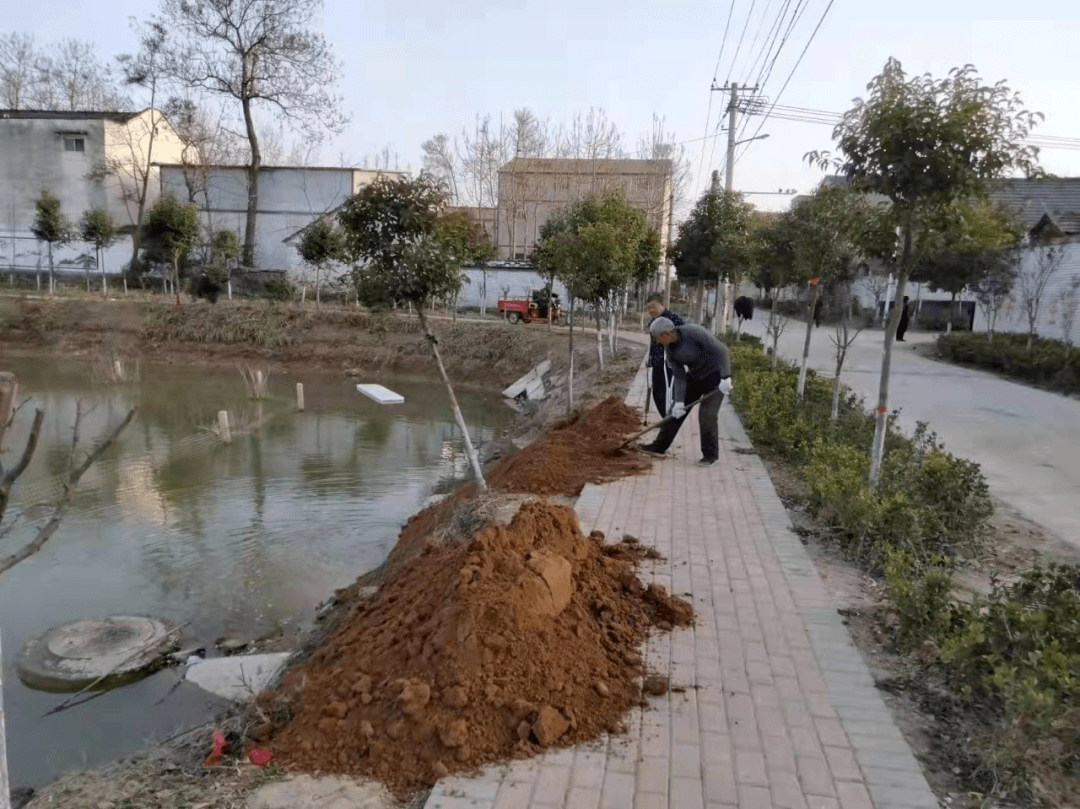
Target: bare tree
1033 277
442 161
131 160
878 286
19 73
72 77
75 472
846 333
257 52
529 140
775 327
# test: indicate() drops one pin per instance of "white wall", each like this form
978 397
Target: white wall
1013 316
521 283
289 199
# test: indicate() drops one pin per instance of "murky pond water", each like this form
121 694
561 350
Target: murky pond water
237 539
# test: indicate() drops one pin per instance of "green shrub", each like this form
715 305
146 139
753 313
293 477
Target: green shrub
922 592
1047 363
278 289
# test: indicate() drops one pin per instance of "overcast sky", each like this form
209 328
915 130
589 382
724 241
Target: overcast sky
417 67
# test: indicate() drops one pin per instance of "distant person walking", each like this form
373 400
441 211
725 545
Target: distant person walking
662 377
817 313
701 364
901 328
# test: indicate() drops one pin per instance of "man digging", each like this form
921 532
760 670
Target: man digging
700 364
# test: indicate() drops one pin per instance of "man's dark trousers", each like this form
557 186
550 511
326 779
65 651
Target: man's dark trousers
708 418
660 375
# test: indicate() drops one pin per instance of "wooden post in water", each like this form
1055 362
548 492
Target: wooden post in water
223 426
9 391
5 785
300 396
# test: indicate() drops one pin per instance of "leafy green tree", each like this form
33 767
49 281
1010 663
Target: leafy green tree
829 229
100 230
965 244
322 244
391 233
714 243
927 144
51 227
469 240
173 229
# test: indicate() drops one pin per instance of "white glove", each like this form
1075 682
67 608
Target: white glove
725 386
678 410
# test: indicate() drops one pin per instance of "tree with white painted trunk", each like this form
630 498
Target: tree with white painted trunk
392 234
927 144
825 229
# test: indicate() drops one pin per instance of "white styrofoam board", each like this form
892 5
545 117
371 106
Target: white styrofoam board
380 394
522 384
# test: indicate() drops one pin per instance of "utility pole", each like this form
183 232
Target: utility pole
728 175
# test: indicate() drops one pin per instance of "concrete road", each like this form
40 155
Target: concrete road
1026 440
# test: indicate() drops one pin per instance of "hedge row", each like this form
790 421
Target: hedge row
1047 363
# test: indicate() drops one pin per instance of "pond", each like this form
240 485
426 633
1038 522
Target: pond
240 540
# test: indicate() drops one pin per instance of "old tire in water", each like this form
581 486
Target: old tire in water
121 648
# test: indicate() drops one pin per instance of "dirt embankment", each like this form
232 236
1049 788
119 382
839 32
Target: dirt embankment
285 337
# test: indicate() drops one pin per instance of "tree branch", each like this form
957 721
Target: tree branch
47 530
28 455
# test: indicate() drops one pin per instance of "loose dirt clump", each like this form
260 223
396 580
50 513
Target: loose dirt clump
523 638
575 452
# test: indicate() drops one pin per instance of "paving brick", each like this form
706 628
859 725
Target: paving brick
686 761
552 784
854 796
750 768
513 796
618 791
650 801
686 793
583 798
653 774
754 797
831 732
814 775
786 791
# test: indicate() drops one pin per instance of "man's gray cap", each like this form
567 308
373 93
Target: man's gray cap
661 326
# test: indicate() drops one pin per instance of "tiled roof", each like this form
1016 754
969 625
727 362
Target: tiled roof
1058 197
119 117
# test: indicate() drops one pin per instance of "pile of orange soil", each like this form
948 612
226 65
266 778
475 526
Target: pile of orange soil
578 451
524 638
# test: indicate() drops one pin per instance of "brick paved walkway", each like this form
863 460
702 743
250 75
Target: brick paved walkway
774 707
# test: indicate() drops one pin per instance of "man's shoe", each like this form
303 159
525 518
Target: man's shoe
651 449
706 462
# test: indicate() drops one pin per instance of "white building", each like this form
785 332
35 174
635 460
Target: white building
85 159
290 199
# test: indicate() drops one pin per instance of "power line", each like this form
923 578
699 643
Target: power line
754 42
742 36
716 70
792 73
774 33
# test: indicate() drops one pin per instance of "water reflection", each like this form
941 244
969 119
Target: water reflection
238 538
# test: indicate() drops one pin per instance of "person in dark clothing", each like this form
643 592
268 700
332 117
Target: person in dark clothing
700 364
661 375
744 308
817 313
901 328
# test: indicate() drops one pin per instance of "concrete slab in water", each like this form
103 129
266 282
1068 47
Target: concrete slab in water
380 394
78 653
237 678
327 792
